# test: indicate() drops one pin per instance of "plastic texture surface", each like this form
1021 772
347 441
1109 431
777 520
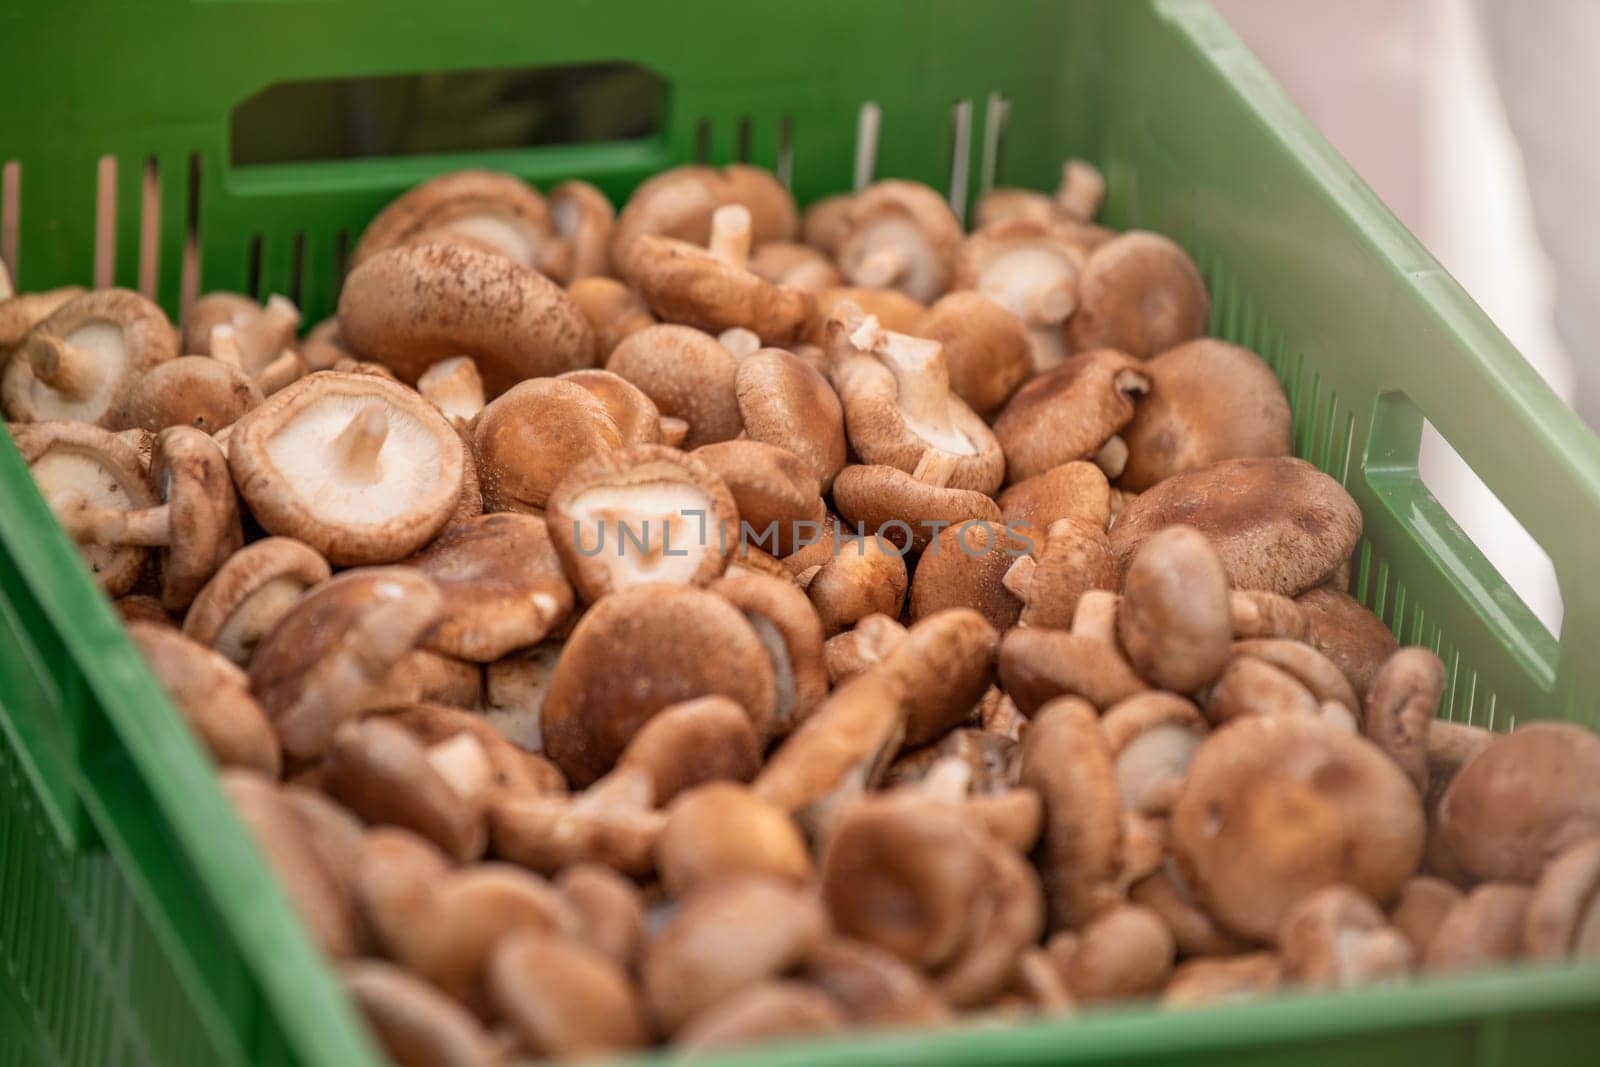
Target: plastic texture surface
139 926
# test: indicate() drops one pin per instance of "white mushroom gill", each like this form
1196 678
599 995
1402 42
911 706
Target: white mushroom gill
511 238
892 251
1153 764
922 384
1033 282
75 378
646 531
66 471
352 482
782 666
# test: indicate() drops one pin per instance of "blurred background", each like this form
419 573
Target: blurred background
1478 123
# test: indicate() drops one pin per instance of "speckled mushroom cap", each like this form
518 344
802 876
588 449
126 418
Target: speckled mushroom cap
330 658
861 576
581 217
904 510
412 306
711 288
1208 401
361 469
636 415
214 696
1278 524
898 406
1076 490
899 235
784 402
74 460
1071 559
1068 413
985 347
1525 798
965 566
530 438
1139 293
250 592
491 209
78 363
639 516
1347 632
688 375
777 495
502 584
641 650
206 394
1276 807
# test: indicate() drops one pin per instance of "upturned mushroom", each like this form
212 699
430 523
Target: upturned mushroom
20 313
785 402
1175 622
1277 807
985 347
680 202
214 697
724 938
76 462
454 387
642 515
898 406
502 584
492 211
1138 293
798 266
1152 738
1077 196
361 469
688 375
1208 401
196 526
1278 524
1524 799
1030 268
410 307
330 657
252 590
791 633
1073 412
1336 938
899 235
641 650
893 309
79 362
1074 558
712 288
581 218
257 333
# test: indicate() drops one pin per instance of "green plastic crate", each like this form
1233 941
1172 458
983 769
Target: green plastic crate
139 926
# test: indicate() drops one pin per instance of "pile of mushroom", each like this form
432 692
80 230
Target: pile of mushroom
711 626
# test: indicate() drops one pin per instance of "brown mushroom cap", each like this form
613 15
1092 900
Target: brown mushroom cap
893 309
679 203
412 306
641 650
724 938
259 331
1336 938
1347 632
1423 905
863 576
785 402
1527 797
207 394
1038 665
1152 737
871 986
965 566
1230 979
1167 894
822 223
76 461
1563 917
616 517
527 440
1483 930
1008 917
417 1025
361 469
214 696
711 288
1139 293
688 375
767 1011
581 217
1208 401
562 998
250 592
1276 807
1030 268
791 633
985 347
1074 558
491 209
1065 757
78 363
1400 707
636 415
1076 490
720 831
1174 621
609 910
1125 952
899 235
798 266
502 584
1278 524
1068 413
775 491
21 312
330 657
614 311
849 653
943 665
904 510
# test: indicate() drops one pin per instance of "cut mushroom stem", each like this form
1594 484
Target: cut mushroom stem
1018 578
355 450
225 346
739 341
730 234
922 379
63 367
882 268
287 368
92 524
1113 456
936 468
1050 304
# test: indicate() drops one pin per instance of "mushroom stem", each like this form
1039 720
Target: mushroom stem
1113 456
284 370
93 524
356 449
63 367
1049 304
936 468
948 780
7 290
225 346
882 268
730 234
463 765
263 335
739 341
922 378
1018 579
